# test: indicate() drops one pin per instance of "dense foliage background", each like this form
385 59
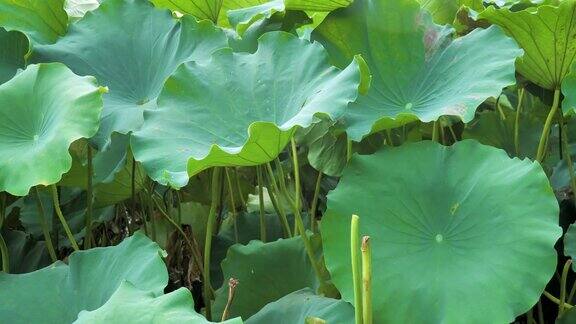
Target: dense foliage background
287 161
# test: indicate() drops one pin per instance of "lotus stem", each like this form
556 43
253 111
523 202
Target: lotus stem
563 279
5 255
567 156
517 121
389 140
543 144
239 188
499 108
45 229
555 300
261 204
315 202
297 191
572 291
56 202
275 197
208 243
348 149
193 247
232 284
281 177
232 204
356 271
540 312
366 280
435 131
89 200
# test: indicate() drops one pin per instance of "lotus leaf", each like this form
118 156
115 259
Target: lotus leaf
13 48
547 36
276 269
238 109
88 280
144 45
436 215
130 305
44 109
419 71
43 21
297 306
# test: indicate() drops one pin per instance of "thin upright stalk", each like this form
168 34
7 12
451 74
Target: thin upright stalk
561 306
44 225
296 166
133 186
89 200
281 176
5 255
555 300
517 121
567 156
232 204
543 144
499 108
348 149
193 247
389 140
56 202
435 131
232 284
356 268
239 188
275 198
366 280
315 202
261 203
208 243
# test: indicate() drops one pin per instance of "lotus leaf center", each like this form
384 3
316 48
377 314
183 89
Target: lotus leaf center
35 137
408 106
439 238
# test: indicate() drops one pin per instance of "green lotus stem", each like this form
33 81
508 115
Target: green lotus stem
572 291
517 121
215 190
389 137
56 202
435 132
5 255
275 196
281 176
297 191
348 149
567 155
89 200
366 280
315 203
442 134
356 271
543 144
179 201
239 188
540 312
151 215
232 204
261 204
563 279
44 226
193 247
530 317
555 300
499 108
133 187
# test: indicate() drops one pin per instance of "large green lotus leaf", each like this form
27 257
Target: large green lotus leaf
88 280
131 305
42 111
327 147
451 226
13 48
42 20
444 11
297 306
274 270
240 109
547 36
569 91
201 9
570 243
418 70
144 45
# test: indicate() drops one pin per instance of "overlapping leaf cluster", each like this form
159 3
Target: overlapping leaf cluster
190 161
